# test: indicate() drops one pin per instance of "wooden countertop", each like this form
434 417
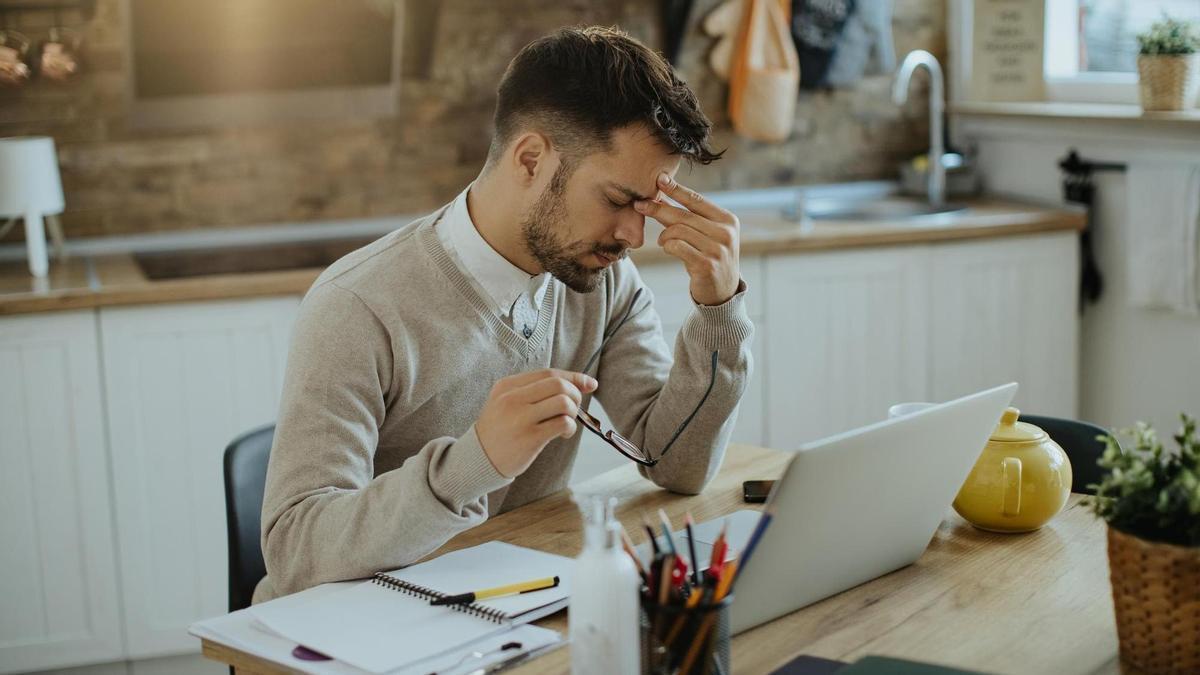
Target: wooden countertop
998 603
85 281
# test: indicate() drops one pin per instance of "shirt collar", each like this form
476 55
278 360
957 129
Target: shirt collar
502 281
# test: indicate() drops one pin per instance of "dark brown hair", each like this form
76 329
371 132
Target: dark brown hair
577 85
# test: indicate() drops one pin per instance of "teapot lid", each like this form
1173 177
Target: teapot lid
1011 431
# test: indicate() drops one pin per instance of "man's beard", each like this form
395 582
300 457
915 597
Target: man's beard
542 228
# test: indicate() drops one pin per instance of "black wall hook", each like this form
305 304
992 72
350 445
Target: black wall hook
1078 188
1074 164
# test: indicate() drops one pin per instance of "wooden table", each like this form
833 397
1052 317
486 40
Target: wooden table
1027 603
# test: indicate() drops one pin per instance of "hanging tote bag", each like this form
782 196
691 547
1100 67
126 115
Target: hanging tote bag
764 78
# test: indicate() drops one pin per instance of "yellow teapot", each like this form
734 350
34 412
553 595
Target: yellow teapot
1020 482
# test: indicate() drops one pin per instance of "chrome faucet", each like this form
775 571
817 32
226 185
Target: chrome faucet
937 104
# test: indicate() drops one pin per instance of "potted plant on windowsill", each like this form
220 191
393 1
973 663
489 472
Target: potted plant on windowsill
1168 65
1150 499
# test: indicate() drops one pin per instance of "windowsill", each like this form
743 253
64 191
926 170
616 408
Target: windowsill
1097 112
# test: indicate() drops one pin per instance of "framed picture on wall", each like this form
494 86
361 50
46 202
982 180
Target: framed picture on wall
1007 46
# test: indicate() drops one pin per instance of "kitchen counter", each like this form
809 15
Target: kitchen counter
80 282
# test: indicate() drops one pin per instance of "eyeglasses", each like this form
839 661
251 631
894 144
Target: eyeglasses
625 447
614 439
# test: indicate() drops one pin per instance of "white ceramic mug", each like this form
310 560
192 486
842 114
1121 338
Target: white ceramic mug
902 409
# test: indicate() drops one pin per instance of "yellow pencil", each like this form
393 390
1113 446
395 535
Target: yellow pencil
510 589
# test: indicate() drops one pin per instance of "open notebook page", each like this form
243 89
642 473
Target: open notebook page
496 564
379 629
374 628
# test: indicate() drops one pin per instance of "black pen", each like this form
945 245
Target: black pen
691 537
650 531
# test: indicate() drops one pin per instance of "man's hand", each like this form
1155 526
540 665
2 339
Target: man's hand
702 235
525 412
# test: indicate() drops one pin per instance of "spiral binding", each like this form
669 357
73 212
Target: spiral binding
392 583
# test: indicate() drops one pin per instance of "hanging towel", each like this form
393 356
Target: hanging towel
865 47
1163 236
816 27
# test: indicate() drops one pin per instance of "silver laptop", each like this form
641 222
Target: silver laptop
855 506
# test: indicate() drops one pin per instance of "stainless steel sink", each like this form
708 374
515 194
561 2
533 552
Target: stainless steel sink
243 259
887 208
870 201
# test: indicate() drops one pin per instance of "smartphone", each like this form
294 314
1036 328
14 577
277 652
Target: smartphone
756 491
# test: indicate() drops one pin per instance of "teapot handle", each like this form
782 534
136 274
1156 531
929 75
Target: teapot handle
1011 469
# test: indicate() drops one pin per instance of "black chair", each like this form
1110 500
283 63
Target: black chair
245 479
1078 440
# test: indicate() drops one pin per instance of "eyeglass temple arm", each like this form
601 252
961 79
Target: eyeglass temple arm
629 314
712 377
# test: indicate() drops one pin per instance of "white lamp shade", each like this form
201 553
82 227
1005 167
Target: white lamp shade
29 181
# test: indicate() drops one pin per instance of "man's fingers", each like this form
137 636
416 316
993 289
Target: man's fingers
693 200
546 388
555 406
673 215
663 212
561 426
584 382
685 252
692 236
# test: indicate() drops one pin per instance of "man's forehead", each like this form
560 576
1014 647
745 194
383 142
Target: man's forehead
633 162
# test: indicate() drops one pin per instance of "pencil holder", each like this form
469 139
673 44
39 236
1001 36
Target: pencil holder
680 640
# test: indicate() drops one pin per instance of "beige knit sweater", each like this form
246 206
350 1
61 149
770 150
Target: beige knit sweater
376 462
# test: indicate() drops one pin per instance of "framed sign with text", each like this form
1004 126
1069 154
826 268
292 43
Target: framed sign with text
1007 46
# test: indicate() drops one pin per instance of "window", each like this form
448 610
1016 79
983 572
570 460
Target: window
1090 54
1091 50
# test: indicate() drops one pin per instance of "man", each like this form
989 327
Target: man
435 375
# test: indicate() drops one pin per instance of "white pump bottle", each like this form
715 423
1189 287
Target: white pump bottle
604 617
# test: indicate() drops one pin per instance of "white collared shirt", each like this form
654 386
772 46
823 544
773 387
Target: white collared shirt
515 295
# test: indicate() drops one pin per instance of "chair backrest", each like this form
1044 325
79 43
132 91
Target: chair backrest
1078 440
245 479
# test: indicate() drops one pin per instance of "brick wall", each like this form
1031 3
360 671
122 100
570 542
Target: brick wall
119 179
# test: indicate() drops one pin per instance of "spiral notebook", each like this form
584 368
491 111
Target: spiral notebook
384 623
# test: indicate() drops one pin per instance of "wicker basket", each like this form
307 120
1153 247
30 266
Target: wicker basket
1156 595
1168 82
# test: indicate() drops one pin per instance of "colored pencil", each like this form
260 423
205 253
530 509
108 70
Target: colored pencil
628 546
666 525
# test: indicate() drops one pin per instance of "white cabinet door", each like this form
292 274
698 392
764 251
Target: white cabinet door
848 338
1007 310
182 381
58 581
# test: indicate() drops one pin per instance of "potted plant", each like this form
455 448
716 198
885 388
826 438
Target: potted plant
1168 65
1150 499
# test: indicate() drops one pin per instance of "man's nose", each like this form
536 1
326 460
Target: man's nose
631 229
